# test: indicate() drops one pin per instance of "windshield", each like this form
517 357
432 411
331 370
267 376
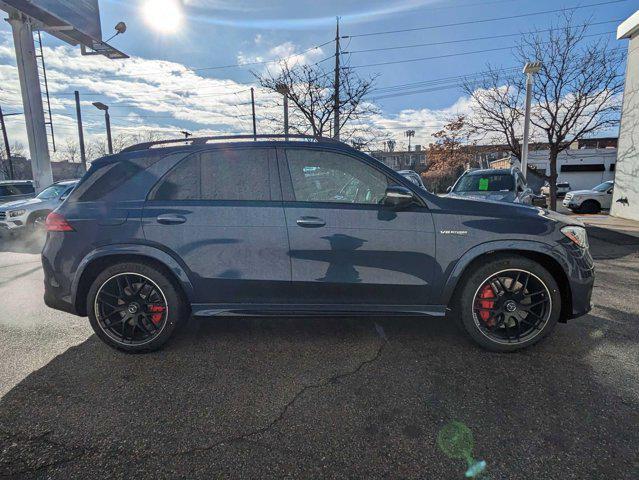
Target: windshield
498 182
54 191
602 187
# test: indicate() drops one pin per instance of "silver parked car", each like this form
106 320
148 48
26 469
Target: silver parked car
31 213
590 201
413 176
501 185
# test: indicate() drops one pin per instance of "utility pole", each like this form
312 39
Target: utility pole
283 89
78 114
336 105
6 144
530 69
32 101
253 108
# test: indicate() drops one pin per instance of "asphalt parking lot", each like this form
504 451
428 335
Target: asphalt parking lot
318 398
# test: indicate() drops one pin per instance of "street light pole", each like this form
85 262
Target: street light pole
283 89
530 69
107 119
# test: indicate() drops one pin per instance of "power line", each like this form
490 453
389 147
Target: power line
484 20
491 37
434 57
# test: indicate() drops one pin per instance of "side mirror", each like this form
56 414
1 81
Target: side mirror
449 189
398 197
610 191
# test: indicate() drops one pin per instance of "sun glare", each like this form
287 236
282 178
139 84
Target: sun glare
163 15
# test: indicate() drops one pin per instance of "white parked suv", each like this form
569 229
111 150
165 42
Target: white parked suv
590 201
31 213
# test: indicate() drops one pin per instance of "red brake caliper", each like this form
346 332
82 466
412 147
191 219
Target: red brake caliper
157 311
487 301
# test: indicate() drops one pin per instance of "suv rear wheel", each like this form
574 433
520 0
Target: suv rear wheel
508 303
134 307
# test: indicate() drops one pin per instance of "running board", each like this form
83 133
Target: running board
270 309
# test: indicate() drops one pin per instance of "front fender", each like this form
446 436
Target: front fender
456 272
139 250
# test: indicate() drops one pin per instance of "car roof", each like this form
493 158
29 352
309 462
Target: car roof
67 182
489 171
13 182
166 149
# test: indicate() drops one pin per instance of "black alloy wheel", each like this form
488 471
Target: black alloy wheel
511 306
131 309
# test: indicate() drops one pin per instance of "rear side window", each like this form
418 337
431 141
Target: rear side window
25 188
232 174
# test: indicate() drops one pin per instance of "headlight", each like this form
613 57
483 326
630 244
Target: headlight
576 235
16 213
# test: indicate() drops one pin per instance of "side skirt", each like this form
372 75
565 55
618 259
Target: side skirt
256 309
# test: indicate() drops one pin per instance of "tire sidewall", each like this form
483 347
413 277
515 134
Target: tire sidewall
479 275
175 303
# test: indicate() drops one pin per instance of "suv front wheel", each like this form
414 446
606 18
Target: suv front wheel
135 307
508 303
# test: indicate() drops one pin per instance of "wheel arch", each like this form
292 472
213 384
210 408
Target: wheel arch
98 260
32 215
535 251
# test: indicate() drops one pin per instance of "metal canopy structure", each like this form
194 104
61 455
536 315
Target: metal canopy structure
76 22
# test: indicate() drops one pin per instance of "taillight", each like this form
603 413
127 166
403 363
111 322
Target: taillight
57 223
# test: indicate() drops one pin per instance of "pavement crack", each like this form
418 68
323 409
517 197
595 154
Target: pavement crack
284 410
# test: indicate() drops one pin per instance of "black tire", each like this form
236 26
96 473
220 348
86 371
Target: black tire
163 287
464 306
590 206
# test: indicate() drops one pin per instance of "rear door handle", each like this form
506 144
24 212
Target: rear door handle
170 219
310 222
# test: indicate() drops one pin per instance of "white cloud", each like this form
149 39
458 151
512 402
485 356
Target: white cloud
166 97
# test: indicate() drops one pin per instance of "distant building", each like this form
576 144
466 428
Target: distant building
583 168
403 159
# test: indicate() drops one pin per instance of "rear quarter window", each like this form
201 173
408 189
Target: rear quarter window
103 179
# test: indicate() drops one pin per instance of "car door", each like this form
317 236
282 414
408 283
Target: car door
346 247
220 212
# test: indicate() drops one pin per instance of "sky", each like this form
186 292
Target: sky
181 76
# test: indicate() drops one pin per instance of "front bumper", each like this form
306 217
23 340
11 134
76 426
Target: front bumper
581 279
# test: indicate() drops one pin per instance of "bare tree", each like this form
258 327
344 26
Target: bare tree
70 151
576 93
311 91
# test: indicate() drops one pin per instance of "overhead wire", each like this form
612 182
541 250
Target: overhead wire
484 20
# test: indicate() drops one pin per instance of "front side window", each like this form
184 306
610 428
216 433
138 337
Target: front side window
330 177
499 182
224 174
603 187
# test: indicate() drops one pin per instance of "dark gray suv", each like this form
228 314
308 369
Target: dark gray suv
226 226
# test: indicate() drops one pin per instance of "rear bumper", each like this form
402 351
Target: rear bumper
55 294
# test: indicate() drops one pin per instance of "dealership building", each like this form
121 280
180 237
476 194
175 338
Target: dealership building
625 201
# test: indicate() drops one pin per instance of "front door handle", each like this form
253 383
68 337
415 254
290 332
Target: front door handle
170 219
310 222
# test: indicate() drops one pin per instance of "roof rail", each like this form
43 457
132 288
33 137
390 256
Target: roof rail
204 140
